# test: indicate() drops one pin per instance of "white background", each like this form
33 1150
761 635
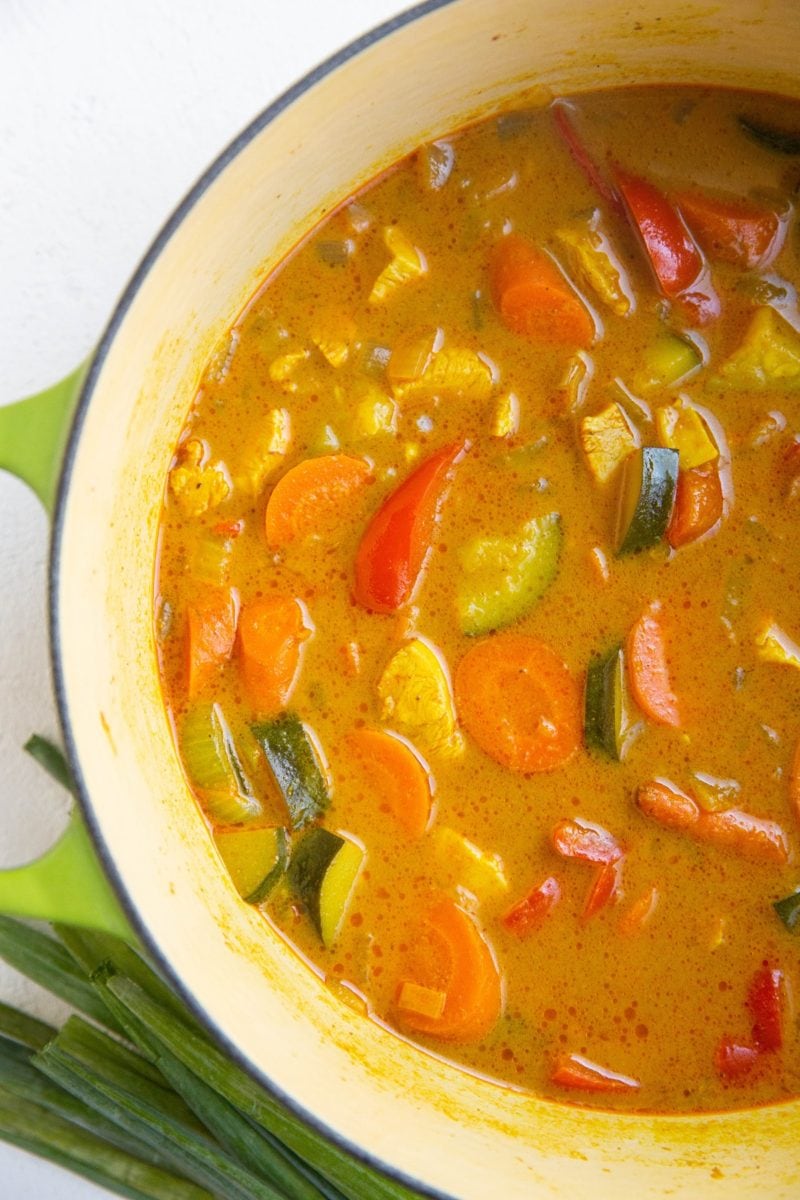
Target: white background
109 110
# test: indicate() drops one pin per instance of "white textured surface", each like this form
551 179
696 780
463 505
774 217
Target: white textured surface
108 113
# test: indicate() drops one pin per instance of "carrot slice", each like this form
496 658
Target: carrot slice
529 913
395 775
670 808
575 1071
648 673
639 913
603 891
314 495
533 298
449 954
751 837
210 635
397 540
734 231
585 841
271 633
698 505
733 1060
520 703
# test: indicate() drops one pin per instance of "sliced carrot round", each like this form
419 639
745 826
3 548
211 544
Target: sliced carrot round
533 298
314 496
395 775
519 702
271 633
449 955
648 671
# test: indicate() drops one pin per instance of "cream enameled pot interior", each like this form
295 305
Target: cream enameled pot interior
439 1128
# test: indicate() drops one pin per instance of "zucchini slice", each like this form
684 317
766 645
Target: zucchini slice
256 859
788 909
212 762
323 873
501 578
608 722
647 496
290 754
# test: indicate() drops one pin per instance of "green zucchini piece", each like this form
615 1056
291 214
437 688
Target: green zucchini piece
290 754
608 722
323 873
255 858
782 141
647 495
768 357
501 578
212 762
666 362
788 909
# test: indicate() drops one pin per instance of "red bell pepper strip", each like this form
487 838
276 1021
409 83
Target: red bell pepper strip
397 540
562 119
734 231
678 265
529 913
735 1059
585 842
603 891
765 1004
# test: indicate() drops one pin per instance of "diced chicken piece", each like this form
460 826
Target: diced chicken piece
450 371
595 265
282 370
775 646
333 335
407 264
416 697
265 452
505 422
607 439
375 413
197 487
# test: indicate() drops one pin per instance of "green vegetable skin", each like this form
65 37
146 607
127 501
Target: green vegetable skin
212 761
649 479
323 873
255 858
608 723
293 763
501 578
788 909
668 361
782 141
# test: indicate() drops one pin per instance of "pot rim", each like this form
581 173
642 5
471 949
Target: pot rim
231 151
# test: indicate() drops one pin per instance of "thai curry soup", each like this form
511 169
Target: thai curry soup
477 602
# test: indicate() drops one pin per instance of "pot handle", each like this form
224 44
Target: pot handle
67 883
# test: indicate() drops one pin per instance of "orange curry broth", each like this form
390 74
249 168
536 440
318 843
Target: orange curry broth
652 1004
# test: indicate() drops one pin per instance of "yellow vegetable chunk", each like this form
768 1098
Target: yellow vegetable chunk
595 266
195 486
407 264
375 414
774 645
427 1002
462 863
505 422
265 451
681 428
769 356
333 335
337 889
607 439
416 697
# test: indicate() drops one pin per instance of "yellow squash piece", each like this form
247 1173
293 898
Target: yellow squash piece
775 646
769 356
265 451
195 486
463 864
416 698
595 266
505 422
407 264
681 428
607 439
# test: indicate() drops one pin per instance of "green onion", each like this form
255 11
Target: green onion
33 1128
51 758
788 909
47 963
25 1030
